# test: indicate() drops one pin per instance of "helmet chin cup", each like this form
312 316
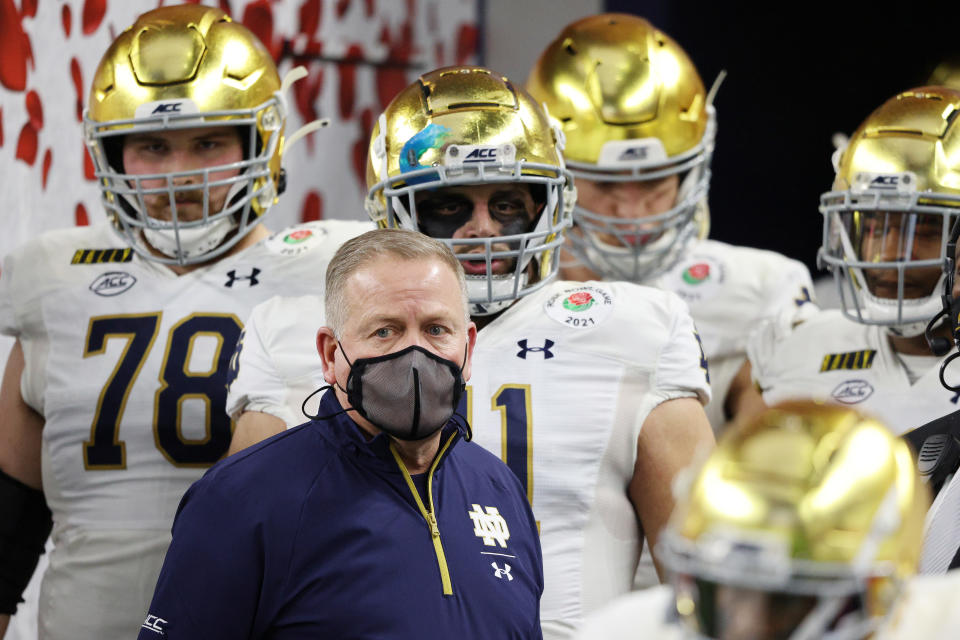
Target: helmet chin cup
186 244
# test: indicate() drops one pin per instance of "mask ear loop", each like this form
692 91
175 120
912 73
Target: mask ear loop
303 405
462 422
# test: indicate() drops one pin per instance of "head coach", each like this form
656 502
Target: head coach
378 519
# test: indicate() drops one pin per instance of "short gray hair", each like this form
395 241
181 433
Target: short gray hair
372 245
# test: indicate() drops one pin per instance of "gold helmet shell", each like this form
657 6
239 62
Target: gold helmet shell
807 500
632 108
616 77
900 171
468 125
182 67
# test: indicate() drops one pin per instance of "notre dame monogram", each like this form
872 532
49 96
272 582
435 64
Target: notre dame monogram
489 525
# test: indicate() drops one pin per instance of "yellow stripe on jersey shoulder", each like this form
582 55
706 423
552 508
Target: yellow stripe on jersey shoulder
852 360
102 256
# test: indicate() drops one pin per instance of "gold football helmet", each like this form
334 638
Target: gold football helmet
467 126
633 108
809 517
183 67
887 219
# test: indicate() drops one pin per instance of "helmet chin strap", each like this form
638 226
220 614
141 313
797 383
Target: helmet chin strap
184 244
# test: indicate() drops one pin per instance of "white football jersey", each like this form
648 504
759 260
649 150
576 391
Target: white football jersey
926 610
127 363
562 382
277 364
829 358
729 290
649 613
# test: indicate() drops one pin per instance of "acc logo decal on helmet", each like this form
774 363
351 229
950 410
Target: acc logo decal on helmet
581 307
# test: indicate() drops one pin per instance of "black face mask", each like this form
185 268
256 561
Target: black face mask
409 394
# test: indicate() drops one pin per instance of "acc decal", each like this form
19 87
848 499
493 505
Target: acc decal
852 360
101 256
852 391
112 283
581 307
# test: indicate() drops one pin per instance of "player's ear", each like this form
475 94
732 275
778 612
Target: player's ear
327 348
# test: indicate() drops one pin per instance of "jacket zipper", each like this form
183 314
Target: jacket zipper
429 514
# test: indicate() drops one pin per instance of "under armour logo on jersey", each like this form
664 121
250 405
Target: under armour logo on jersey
500 573
490 526
252 278
545 349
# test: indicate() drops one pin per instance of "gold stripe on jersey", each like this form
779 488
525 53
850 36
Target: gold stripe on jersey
101 256
850 360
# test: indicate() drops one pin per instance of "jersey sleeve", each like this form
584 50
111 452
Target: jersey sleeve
255 383
212 574
276 364
765 341
789 288
682 368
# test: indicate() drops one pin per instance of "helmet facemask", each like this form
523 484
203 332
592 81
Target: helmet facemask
887 249
812 514
181 68
498 137
534 252
251 191
666 235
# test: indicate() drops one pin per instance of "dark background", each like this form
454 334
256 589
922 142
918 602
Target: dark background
796 75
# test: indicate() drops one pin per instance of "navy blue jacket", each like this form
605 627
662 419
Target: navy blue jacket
319 533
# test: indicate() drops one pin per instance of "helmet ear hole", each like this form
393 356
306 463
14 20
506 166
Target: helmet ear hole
113 148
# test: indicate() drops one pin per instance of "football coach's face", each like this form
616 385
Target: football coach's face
392 304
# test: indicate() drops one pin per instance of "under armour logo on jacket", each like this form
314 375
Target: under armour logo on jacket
500 573
545 349
252 278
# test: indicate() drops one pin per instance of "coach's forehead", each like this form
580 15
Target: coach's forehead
389 285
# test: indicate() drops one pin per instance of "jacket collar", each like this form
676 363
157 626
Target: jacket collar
337 426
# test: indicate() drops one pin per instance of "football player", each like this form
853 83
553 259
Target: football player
591 393
804 523
640 131
113 396
886 224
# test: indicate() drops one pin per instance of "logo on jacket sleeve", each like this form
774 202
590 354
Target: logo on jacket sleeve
155 624
489 525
